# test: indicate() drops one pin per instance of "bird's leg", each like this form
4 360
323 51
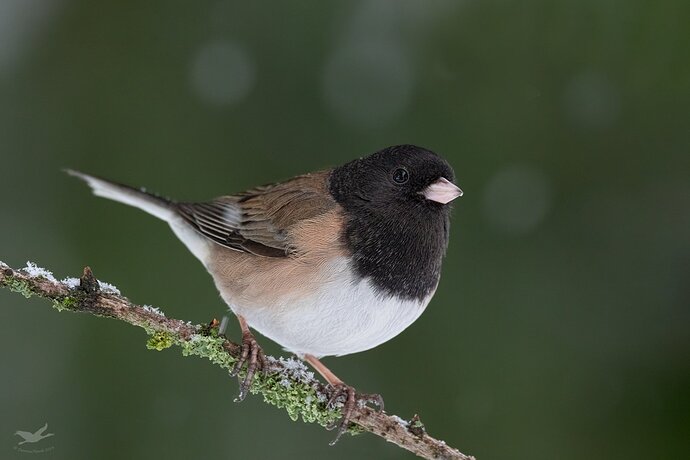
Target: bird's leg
341 389
251 354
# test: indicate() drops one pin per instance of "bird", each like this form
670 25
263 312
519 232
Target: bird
327 263
33 437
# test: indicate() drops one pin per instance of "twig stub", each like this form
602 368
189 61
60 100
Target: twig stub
88 283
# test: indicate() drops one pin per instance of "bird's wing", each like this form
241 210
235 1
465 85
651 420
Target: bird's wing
24 434
41 430
258 220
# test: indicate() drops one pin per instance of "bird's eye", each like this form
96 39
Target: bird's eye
400 176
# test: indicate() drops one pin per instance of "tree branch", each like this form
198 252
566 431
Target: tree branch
287 383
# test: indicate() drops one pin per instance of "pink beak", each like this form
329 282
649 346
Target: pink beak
442 191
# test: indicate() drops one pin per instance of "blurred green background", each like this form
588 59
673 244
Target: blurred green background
560 329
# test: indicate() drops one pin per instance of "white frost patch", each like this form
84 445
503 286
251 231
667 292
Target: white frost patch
286 383
34 271
401 422
154 310
108 288
71 283
297 369
188 323
293 369
3 264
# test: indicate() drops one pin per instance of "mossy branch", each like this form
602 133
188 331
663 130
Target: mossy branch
287 383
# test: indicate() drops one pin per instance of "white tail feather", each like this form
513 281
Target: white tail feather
116 192
156 206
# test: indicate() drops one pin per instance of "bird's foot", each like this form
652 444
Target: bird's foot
350 399
251 354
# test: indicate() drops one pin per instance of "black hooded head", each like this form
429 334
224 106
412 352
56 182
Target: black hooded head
396 234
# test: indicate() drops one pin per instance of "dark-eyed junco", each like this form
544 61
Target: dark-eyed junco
328 263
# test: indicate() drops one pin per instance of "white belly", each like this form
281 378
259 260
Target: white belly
344 316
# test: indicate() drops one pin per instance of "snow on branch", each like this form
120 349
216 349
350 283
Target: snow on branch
285 383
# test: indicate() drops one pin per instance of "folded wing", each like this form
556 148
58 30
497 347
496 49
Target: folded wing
258 220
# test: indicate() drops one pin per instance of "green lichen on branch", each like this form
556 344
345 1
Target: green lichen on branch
160 341
283 389
17 285
208 347
25 288
299 399
65 303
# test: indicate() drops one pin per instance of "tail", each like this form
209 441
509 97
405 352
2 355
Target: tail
155 205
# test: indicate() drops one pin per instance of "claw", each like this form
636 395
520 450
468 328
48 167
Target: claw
253 356
352 400
338 390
